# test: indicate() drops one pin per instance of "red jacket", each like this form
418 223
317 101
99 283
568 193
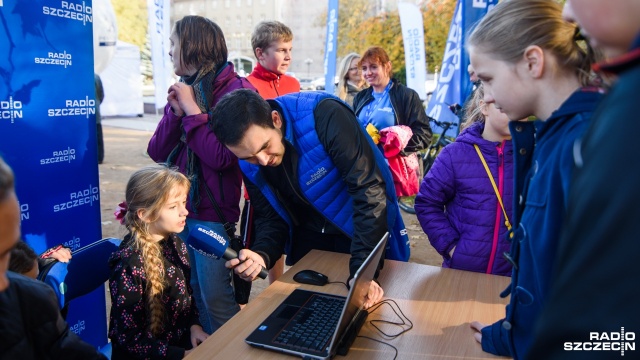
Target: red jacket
271 85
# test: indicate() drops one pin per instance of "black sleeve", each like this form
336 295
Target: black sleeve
415 116
50 332
345 141
271 230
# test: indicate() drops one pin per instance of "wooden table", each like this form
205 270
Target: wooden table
440 302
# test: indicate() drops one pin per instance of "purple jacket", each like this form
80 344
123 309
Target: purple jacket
220 168
457 205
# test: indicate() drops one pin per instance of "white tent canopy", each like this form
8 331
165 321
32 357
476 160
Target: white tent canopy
122 82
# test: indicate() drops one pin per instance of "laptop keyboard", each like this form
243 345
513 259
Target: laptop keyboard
313 325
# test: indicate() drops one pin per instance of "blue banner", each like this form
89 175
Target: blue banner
331 47
453 82
48 132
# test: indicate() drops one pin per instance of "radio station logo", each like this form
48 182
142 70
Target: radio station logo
73 244
605 341
78 328
71 10
79 198
10 109
67 155
24 212
53 58
82 107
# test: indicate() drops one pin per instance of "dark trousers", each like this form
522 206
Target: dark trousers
305 240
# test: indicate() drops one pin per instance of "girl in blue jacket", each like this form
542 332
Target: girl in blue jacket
458 207
532 63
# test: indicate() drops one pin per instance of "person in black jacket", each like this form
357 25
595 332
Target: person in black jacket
387 102
312 175
594 287
31 326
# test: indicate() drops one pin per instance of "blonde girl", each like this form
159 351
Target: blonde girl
153 313
532 64
457 205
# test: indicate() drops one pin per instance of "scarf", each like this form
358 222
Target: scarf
202 84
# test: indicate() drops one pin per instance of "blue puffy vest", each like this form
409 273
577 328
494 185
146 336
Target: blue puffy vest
318 178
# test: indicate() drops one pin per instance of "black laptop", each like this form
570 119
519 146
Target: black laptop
315 325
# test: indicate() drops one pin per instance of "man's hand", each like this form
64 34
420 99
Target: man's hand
248 265
373 296
477 326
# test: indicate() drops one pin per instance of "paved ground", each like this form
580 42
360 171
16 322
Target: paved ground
126 141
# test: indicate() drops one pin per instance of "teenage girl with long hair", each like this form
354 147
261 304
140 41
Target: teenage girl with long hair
532 64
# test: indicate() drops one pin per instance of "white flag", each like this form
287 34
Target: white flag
414 55
159 33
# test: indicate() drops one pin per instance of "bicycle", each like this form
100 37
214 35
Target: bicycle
428 157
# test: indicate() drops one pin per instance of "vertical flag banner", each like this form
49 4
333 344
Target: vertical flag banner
413 38
453 83
48 133
331 47
159 33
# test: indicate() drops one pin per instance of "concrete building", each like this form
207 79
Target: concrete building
238 18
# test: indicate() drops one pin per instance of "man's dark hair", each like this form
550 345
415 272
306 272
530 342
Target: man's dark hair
22 259
201 42
6 180
236 112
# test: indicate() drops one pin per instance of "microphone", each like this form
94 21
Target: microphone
214 244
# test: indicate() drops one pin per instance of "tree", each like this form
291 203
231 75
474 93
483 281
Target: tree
132 21
359 28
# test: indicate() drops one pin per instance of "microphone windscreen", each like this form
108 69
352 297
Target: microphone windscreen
209 241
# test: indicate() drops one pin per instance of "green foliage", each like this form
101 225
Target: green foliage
132 21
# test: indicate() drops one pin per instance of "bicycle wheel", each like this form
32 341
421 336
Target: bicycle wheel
427 161
405 203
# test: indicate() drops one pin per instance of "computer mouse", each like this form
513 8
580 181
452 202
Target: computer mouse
311 277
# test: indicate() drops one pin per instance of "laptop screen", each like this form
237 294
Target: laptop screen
361 282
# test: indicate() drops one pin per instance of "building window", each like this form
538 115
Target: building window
227 23
250 21
238 21
227 3
239 3
249 2
263 17
214 4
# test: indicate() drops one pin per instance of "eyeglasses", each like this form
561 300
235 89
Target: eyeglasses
353 68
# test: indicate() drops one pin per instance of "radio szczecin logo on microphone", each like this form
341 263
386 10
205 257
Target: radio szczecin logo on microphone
214 235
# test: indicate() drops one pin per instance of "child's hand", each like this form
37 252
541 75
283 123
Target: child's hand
477 326
197 335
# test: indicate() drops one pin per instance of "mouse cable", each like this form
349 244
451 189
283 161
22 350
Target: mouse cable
339 282
404 320
395 356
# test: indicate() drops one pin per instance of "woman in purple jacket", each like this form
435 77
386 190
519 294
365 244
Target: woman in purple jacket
184 139
458 207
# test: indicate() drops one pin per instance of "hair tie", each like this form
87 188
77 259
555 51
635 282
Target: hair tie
121 211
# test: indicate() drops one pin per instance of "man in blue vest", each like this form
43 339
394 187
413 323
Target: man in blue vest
314 177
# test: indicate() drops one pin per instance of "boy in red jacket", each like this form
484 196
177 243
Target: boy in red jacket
271 43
